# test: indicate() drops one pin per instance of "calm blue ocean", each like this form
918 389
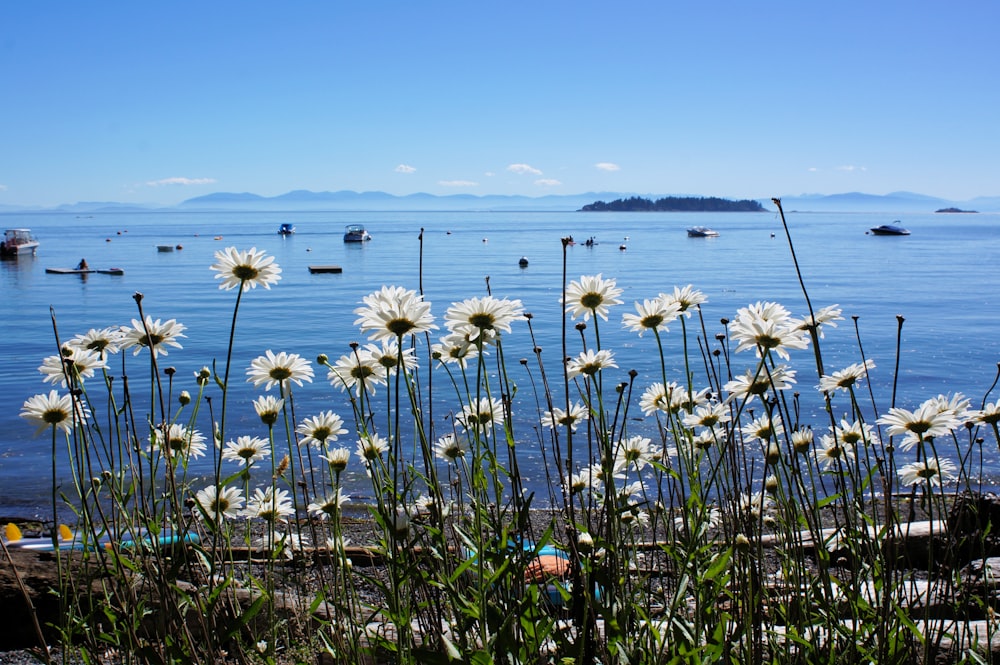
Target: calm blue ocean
942 279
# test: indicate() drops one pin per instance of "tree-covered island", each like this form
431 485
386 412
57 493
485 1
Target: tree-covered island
675 204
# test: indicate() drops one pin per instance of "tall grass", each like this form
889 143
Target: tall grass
733 531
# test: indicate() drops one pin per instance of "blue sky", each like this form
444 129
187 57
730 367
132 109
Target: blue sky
159 102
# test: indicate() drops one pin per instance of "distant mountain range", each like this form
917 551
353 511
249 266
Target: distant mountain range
347 200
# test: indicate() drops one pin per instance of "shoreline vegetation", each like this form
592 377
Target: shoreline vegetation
675 204
739 532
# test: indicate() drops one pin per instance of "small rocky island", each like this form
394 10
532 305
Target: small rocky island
956 210
675 204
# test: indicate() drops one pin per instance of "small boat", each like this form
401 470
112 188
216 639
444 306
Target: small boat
286 229
85 271
326 269
702 232
893 229
18 242
356 233
164 248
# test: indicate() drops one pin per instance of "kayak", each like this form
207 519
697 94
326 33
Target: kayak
67 539
85 271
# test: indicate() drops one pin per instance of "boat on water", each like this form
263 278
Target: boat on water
18 242
702 232
356 233
286 229
85 271
893 229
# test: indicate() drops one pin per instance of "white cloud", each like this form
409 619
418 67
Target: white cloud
851 168
457 183
404 168
812 169
607 166
3 188
523 169
180 181
547 182
489 174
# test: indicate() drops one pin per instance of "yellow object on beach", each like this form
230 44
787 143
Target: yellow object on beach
12 533
65 533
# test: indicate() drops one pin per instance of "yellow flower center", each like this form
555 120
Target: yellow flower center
54 416
482 320
280 373
400 327
245 273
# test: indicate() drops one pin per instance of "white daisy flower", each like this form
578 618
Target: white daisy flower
929 472
988 415
591 295
707 415
393 312
372 447
560 418
278 369
246 450
387 355
484 317
651 315
449 448
268 408
247 269
160 334
100 340
357 370
832 452
824 317
590 362
484 414
337 459
686 298
317 430
216 505
270 504
927 421
455 348
846 378
52 410
634 451
755 384
180 441
767 327
329 506
763 428
73 362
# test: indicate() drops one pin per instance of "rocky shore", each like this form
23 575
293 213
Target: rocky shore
953 617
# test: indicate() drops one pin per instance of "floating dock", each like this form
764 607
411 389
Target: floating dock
330 269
